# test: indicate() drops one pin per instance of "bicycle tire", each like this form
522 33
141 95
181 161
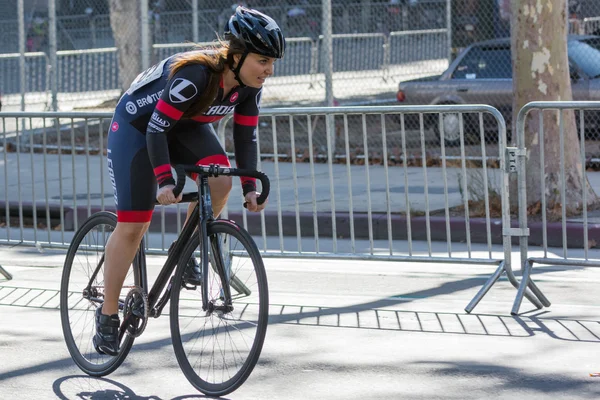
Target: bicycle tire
248 320
71 296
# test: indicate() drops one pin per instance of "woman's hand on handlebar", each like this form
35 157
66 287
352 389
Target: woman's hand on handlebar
165 195
251 204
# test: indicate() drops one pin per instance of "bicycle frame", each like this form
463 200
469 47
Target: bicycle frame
200 217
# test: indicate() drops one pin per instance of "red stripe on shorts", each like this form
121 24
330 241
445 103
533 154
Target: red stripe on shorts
219 159
134 216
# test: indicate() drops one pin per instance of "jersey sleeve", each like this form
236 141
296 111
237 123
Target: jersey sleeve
181 91
245 120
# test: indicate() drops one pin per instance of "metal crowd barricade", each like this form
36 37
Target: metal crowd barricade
521 164
335 173
328 203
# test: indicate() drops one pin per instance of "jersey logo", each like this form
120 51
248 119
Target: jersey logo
115 126
182 90
130 107
159 121
234 97
219 110
149 99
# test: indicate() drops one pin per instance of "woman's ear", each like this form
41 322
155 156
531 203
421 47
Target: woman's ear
236 59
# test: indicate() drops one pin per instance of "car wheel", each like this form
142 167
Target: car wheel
451 126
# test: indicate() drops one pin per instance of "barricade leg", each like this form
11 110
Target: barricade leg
495 276
527 282
485 288
5 273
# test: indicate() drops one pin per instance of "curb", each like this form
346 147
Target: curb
305 221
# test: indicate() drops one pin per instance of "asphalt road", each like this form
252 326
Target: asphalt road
338 330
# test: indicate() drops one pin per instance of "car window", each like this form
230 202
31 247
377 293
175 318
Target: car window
492 62
586 55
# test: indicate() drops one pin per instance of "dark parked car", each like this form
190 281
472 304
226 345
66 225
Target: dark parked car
482 74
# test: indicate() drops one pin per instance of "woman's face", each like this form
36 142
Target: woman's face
256 69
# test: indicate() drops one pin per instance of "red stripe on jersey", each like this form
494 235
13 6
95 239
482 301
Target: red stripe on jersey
245 119
219 159
205 118
246 179
221 83
168 110
134 216
161 169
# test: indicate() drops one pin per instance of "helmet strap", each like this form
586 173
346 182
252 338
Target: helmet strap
236 70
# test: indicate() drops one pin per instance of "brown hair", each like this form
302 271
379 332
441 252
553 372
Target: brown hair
214 57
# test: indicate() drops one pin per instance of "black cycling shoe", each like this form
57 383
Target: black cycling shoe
192 274
106 339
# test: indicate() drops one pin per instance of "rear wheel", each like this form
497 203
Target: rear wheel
217 349
82 291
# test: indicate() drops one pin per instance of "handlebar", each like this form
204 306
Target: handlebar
213 170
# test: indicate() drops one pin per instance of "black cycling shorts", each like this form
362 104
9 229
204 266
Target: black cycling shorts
130 170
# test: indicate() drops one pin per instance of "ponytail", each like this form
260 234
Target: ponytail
214 58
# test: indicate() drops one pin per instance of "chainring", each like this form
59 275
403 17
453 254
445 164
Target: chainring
135 311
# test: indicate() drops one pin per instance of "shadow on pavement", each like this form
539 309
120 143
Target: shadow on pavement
91 388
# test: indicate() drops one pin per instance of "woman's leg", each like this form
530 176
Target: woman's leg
134 187
120 251
219 192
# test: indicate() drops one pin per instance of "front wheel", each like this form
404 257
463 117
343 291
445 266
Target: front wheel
217 349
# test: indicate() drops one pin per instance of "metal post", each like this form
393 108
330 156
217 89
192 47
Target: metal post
327 57
195 21
145 34
326 52
365 16
52 50
93 30
449 28
21 16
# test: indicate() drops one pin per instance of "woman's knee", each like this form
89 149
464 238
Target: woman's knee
131 232
220 186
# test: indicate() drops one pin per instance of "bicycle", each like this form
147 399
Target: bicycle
228 313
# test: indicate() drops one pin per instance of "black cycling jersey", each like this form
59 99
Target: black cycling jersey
155 104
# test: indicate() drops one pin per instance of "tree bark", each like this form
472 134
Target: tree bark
541 73
126 27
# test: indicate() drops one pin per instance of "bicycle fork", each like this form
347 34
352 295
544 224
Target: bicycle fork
205 216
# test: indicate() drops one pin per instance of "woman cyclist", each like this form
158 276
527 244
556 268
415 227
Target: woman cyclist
165 118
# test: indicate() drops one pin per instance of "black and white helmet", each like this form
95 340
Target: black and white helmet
258 31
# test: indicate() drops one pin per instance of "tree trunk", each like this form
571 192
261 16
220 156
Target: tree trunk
126 27
541 73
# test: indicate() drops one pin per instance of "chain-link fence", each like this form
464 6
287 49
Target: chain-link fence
375 44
